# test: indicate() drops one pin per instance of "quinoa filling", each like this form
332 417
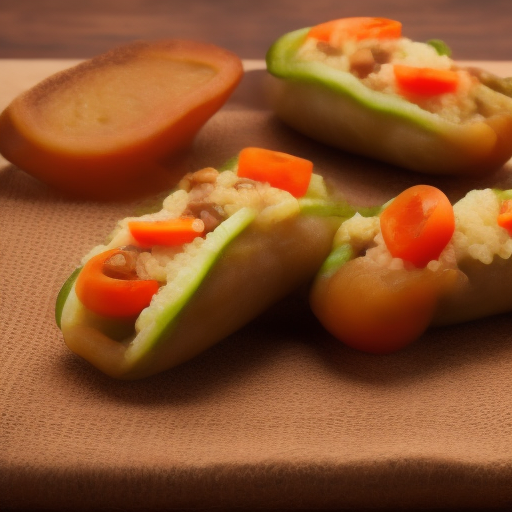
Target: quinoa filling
213 199
207 195
372 61
476 235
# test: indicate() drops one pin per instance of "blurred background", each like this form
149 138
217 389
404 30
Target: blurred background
474 29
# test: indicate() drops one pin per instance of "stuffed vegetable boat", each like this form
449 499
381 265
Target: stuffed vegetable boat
359 85
419 262
223 247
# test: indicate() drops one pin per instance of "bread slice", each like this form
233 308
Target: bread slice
110 127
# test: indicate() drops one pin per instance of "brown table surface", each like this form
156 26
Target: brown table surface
274 417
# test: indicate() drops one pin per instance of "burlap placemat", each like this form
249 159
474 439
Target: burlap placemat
277 416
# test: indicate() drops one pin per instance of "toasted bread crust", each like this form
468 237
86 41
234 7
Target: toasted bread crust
108 127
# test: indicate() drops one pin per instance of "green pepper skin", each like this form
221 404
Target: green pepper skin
394 307
63 295
253 269
335 108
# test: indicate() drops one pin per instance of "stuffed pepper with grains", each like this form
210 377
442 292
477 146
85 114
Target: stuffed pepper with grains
223 247
419 262
359 85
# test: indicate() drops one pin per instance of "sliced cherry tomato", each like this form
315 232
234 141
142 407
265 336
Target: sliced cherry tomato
418 224
425 81
357 28
505 215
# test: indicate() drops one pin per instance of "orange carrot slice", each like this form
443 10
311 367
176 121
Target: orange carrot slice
281 170
166 232
109 296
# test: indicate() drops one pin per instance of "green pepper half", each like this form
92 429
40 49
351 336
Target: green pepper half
239 269
375 304
336 108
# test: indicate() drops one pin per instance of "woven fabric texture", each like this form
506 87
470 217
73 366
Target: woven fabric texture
276 416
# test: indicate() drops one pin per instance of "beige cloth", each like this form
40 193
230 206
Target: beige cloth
277 416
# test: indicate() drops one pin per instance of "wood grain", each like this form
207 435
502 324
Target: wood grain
474 29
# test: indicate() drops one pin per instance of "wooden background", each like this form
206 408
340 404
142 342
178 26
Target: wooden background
474 29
